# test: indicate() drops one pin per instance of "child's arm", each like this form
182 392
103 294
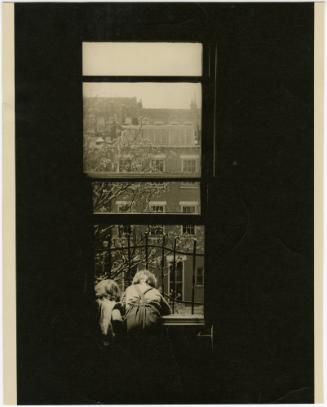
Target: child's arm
105 317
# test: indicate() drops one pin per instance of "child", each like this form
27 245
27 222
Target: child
144 305
109 310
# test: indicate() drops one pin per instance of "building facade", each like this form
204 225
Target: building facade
121 139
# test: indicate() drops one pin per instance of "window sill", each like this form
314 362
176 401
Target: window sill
183 320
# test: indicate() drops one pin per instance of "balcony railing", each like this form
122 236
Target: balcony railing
125 274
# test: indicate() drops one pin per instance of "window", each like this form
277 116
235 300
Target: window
158 165
188 230
189 206
131 149
162 59
188 209
199 276
158 207
142 155
189 165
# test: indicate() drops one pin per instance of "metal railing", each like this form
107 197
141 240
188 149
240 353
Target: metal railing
126 272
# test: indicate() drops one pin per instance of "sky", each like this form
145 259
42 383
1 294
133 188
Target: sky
153 95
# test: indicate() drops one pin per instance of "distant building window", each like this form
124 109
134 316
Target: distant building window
158 165
199 276
189 207
157 207
189 166
188 230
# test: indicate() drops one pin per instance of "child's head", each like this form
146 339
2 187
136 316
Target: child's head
108 289
145 276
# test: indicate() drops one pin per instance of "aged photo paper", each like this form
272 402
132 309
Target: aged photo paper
9 271
148 268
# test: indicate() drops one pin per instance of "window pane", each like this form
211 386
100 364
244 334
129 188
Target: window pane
199 276
122 250
142 59
142 129
146 197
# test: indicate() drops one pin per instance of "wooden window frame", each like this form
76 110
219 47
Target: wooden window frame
207 160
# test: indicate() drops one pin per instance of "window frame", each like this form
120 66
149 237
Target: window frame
205 164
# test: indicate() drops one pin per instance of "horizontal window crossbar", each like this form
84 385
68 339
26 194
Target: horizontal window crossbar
155 246
137 178
191 79
185 302
183 320
147 219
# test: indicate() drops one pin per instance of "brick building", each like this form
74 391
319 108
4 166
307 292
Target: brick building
123 139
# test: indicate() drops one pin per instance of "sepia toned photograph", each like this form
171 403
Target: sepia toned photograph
164 174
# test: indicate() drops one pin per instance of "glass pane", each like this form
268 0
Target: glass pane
122 250
142 129
142 59
146 197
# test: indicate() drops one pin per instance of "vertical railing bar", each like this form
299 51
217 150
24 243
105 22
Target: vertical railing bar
129 256
174 274
146 251
193 275
163 263
109 256
104 261
123 271
104 256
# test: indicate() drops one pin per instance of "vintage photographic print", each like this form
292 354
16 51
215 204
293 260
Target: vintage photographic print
165 160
